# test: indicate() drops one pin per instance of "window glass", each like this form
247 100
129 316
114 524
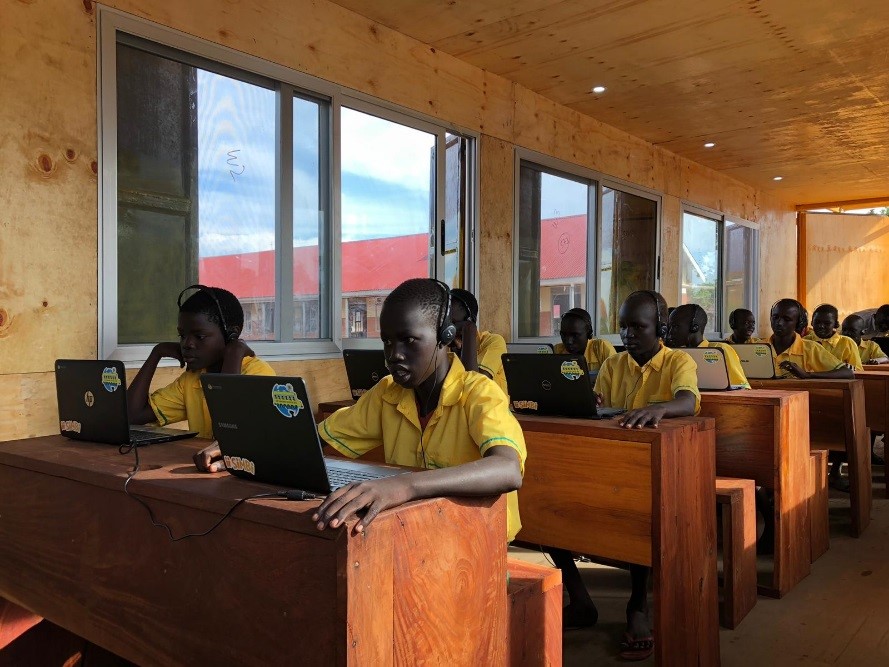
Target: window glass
740 251
387 205
700 265
628 252
554 217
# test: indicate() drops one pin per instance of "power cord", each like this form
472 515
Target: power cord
133 447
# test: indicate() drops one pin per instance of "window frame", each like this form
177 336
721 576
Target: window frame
722 220
289 83
599 182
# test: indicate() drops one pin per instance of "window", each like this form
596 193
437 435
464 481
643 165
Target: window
223 169
562 218
717 266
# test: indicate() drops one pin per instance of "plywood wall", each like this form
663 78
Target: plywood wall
48 196
846 261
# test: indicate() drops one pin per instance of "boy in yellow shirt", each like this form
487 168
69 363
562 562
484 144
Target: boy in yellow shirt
825 321
429 413
210 323
480 351
743 326
868 350
686 329
576 331
653 383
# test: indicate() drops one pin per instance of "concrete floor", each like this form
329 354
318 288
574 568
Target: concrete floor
837 616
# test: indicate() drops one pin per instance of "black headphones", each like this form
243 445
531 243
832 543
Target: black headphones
802 320
830 309
695 327
457 297
229 335
585 317
662 326
447 332
731 318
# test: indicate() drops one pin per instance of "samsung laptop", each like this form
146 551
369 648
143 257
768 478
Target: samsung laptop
364 368
757 360
552 384
266 431
529 348
712 369
93 405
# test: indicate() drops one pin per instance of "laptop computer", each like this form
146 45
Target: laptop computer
712 369
266 432
757 360
883 342
364 368
529 348
93 405
552 384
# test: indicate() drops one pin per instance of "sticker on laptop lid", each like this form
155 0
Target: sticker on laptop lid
711 356
69 425
239 463
110 379
524 405
285 400
761 350
89 399
571 370
544 349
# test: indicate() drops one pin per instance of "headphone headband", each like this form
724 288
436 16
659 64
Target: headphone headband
227 334
447 332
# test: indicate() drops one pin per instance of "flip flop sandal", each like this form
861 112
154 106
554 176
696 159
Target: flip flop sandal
636 649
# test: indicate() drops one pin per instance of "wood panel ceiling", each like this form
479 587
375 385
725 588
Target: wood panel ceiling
791 88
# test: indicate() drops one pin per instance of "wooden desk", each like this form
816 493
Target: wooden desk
535 615
763 435
876 397
643 496
266 587
837 422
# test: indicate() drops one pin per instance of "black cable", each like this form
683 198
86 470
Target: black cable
133 447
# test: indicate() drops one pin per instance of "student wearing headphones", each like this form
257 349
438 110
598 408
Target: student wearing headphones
796 356
653 382
743 325
209 325
868 350
825 322
429 413
576 331
480 351
687 325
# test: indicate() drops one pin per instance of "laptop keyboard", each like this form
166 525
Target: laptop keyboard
339 477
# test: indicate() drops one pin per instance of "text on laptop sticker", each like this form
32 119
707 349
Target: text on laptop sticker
761 351
524 405
571 370
69 425
110 379
711 356
358 393
285 400
239 463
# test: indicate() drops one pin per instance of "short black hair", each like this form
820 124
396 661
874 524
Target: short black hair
660 304
883 310
735 314
202 303
698 314
830 309
802 320
431 297
468 301
583 315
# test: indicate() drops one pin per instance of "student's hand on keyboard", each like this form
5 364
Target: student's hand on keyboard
599 401
371 498
650 415
209 459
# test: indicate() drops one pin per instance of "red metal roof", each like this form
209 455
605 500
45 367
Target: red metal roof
378 265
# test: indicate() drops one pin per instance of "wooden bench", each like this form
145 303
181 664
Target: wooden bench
837 422
763 435
876 402
819 518
737 502
535 615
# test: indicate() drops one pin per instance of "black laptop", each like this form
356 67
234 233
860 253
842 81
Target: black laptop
364 368
266 431
552 384
883 342
93 405
529 348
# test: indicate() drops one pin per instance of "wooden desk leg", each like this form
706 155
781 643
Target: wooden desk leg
858 456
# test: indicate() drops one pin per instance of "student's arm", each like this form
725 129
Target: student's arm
138 406
233 356
469 345
497 472
683 405
843 373
490 361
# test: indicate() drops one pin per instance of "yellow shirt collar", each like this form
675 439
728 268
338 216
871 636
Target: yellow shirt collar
655 363
451 390
797 347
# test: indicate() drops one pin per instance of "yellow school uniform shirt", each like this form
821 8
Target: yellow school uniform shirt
842 347
736 375
597 351
491 348
808 355
752 339
472 416
870 351
622 383
184 398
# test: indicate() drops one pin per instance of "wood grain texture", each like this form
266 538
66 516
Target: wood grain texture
818 503
583 491
763 435
876 398
737 503
535 615
837 422
283 593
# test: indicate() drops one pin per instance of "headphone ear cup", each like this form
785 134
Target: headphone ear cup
447 334
232 336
